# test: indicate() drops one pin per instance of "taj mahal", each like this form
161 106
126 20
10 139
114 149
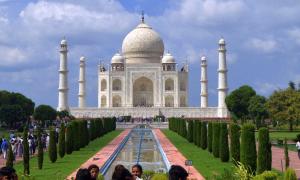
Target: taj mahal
143 81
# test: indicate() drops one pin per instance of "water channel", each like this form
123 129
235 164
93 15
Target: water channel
139 147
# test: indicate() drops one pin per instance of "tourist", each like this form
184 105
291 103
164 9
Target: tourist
298 148
8 173
94 171
4 147
137 171
177 172
121 173
83 174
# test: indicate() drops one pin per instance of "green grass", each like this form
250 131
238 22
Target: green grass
65 166
203 161
281 135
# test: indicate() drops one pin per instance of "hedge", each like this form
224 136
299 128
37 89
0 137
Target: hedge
235 142
40 148
224 149
264 155
190 132
216 139
204 135
52 150
61 141
209 137
26 152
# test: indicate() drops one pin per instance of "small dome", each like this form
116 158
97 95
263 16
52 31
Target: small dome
142 45
222 41
82 58
117 58
168 58
63 42
203 58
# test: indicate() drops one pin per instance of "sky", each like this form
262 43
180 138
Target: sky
263 42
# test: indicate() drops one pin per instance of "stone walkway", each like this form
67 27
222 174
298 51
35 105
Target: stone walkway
102 156
3 161
175 157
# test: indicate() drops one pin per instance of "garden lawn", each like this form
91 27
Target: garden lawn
282 135
65 166
203 161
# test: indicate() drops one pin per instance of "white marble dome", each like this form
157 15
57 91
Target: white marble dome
143 45
117 58
168 58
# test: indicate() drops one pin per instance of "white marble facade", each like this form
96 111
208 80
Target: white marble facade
142 81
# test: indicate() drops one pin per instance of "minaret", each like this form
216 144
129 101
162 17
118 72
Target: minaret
63 77
204 94
81 81
222 72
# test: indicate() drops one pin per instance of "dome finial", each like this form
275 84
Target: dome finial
143 18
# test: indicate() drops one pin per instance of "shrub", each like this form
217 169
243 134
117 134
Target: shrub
69 139
290 174
242 172
267 175
199 133
235 142
190 131
195 131
298 137
204 135
159 176
279 142
224 149
52 150
184 132
286 154
209 137
61 141
248 147
10 156
26 152
216 140
147 174
264 155
40 148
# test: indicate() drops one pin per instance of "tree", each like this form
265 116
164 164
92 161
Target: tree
26 152
44 112
286 154
216 139
235 142
204 135
63 114
190 131
258 110
209 136
248 147
10 156
292 85
264 155
52 150
12 114
40 148
199 125
224 149
69 139
284 106
61 141
238 101
195 132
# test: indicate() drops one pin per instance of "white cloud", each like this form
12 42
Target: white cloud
262 45
295 35
12 56
266 88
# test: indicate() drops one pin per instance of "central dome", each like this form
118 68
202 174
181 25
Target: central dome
142 45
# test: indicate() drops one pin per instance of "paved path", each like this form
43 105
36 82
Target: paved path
102 156
175 157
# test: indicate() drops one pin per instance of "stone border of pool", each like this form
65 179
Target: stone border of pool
104 154
174 156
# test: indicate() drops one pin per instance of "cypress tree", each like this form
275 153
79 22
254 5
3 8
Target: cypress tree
86 133
184 131
26 152
76 136
52 150
61 141
224 149
209 137
10 156
199 133
248 147
264 152
40 148
194 132
216 139
204 135
69 139
286 154
190 131
235 142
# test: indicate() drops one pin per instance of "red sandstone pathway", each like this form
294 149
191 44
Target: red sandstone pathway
102 156
174 156
278 156
3 161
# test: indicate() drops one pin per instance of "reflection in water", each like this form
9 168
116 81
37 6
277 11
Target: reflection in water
140 148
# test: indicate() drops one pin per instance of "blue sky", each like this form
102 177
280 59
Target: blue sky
263 41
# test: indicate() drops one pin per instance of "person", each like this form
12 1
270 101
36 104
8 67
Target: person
121 173
94 171
4 147
8 173
298 148
177 172
83 174
137 171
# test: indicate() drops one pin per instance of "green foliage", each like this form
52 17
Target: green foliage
44 112
69 139
40 148
227 174
204 135
238 101
52 150
195 132
26 152
209 136
61 141
235 142
216 139
267 175
10 156
243 172
264 155
223 143
147 175
63 114
248 147
12 114
258 110
184 131
286 154
160 176
290 174
199 124
190 131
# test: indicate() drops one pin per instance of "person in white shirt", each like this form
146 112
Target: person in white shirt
298 148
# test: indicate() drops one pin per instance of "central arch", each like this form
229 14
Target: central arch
143 92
